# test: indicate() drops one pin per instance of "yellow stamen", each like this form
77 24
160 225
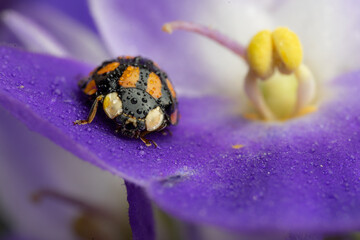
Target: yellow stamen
288 48
288 85
260 54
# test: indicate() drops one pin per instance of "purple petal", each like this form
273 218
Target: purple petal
75 9
80 41
33 36
16 237
301 175
42 28
140 213
307 237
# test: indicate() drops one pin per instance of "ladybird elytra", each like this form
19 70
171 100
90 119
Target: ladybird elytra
135 93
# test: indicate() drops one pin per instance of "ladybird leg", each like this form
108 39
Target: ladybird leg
92 112
147 142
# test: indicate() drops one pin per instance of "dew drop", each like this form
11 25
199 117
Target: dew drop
133 101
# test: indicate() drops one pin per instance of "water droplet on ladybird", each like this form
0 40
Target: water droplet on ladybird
134 101
144 100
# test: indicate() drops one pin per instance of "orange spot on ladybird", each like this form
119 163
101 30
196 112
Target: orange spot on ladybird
125 57
108 68
171 88
129 77
154 85
174 117
92 72
156 65
90 88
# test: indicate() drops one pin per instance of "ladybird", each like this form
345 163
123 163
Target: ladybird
135 93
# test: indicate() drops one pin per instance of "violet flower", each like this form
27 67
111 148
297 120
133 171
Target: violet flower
300 175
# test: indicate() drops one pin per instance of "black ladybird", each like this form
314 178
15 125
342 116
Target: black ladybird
135 93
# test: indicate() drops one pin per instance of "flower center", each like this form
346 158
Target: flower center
278 84
288 86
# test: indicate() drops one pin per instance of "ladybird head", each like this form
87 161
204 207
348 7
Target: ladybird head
134 111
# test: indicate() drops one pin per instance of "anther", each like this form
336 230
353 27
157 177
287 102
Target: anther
288 49
260 54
